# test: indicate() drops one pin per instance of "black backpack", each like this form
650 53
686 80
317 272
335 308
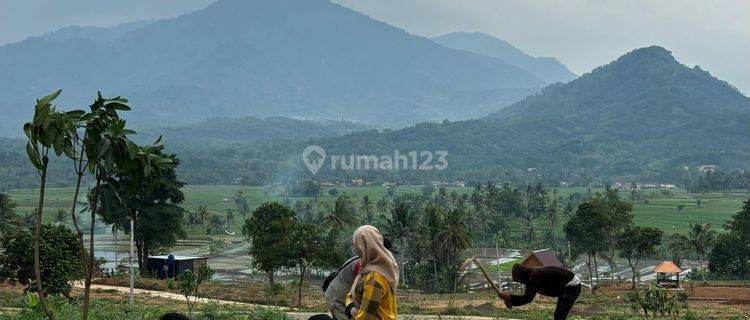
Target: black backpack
333 275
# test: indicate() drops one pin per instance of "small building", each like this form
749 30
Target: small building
704 168
542 258
668 274
171 266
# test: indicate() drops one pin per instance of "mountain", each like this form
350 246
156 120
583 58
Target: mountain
248 131
643 117
211 151
93 33
259 58
546 68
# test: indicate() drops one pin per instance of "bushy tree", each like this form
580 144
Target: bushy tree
60 260
619 216
307 248
270 232
147 192
586 230
731 252
727 258
636 242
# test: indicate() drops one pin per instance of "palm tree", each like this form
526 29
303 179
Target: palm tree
230 218
343 213
29 219
701 237
60 217
432 219
455 237
367 208
383 206
676 246
398 225
8 220
203 217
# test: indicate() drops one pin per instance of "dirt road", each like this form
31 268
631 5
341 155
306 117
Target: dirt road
288 311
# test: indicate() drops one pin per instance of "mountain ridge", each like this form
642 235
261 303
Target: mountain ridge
233 58
548 69
643 117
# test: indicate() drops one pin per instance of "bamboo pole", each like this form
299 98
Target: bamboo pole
486 275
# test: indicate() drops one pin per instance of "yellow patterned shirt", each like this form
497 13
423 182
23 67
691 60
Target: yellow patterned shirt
378 300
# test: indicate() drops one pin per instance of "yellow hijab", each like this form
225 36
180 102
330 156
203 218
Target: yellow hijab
368 244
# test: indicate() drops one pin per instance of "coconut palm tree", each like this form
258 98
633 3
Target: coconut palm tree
60 217
367 208
203 217
456 237
29 219
383 206
343 213
701 237
676 246
9 222
398 224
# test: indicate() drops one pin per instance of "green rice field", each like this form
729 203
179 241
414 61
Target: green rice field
659 210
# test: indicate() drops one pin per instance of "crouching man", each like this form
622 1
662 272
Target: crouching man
549 281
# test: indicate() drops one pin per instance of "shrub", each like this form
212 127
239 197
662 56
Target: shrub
657 300
60 260
188 284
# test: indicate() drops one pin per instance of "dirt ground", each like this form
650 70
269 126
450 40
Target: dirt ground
714 301
738 294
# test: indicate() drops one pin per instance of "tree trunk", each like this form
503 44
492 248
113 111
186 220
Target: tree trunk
144 255
448 271
632 269
301 280
138 252
591 273
596 269
37 241
93 207
612 262
270 278
79 231
435 273
401 257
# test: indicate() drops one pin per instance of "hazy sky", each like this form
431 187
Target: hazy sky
582 34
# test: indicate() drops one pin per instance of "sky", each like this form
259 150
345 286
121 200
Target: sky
582 34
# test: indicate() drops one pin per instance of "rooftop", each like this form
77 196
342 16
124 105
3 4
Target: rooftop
177 257
667 267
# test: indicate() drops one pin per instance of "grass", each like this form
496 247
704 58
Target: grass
659 211
662 212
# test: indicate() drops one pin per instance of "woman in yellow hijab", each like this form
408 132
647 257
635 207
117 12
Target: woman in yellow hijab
373 293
